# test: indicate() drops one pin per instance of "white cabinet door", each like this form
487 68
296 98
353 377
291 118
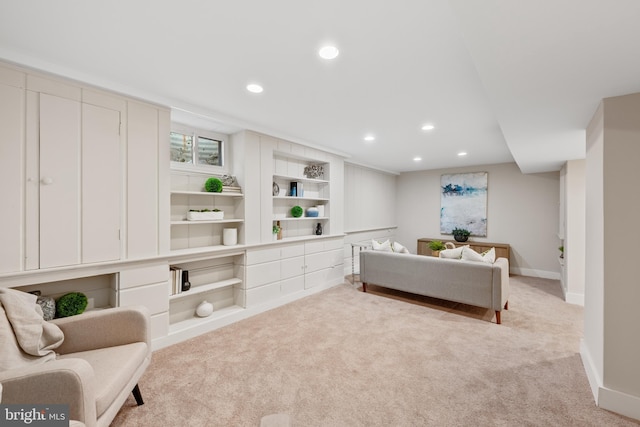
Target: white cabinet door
60 139
143 180
317 261
101 183
291 267
11 173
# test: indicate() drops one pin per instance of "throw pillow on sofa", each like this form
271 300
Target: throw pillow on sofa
469 254
381 246
398 248
452 253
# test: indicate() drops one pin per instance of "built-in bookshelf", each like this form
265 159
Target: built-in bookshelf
188 195
216 279
294 184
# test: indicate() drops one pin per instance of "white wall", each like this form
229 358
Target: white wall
522 211
369 198
574 231
611 348
370 209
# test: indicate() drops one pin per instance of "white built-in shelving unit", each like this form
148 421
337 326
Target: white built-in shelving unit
316 192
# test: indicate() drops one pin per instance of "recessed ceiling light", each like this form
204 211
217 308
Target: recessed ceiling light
428 126
328 52
254 88
369 138
462 153
417 159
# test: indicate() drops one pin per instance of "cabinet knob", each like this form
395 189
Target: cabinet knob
46 181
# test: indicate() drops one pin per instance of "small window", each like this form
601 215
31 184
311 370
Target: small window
209 151
196 148
181 148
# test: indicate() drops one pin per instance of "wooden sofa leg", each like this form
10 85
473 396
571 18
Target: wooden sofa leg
498 318
506 305
364 287
137 395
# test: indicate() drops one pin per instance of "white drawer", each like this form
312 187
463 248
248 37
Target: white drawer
336 257
293 250
291 267
143 276
289 286
159 325
332 244
258 256
262 294
261 274
154 297
313 247
316 278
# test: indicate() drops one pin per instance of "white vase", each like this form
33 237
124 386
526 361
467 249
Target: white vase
204 309
230 236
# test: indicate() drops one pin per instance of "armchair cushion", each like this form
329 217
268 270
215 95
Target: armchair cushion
113 368
32 339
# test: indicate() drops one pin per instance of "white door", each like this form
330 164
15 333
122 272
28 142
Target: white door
11 173
101 184
60 138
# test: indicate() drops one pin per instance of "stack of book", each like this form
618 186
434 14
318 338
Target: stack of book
296 189
176 281
230 189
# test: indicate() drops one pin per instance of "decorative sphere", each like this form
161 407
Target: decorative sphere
204 309
296 211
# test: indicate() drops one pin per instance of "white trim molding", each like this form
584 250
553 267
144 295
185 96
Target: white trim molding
606 398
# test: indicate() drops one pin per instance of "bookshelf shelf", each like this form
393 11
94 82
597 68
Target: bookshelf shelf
205 288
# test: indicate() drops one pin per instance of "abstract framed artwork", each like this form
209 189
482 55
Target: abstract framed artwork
463 202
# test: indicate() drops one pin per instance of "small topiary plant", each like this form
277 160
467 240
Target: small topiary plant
71 304
436 245
296 211
213 185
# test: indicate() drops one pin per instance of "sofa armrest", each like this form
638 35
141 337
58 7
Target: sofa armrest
503 265
68 381
104 328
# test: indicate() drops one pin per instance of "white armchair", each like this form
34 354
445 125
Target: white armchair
102 357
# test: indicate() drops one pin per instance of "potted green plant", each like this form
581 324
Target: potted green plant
205 215
276 231
460 234
436 246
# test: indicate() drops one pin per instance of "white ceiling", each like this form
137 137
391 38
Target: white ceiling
503 80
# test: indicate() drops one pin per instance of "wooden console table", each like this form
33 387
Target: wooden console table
502 249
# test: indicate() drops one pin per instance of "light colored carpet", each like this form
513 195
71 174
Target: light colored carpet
382 358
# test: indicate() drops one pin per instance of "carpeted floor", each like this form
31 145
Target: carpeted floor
382 358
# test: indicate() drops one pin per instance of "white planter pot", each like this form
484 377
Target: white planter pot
205 216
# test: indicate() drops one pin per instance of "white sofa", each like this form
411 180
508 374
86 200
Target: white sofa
475 283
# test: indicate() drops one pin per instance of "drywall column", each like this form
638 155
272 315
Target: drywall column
611 348
575 231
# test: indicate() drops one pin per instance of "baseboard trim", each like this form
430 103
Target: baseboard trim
535 273
620 403
573 298
606 398
592 373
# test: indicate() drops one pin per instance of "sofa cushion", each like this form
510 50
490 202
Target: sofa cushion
113 367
